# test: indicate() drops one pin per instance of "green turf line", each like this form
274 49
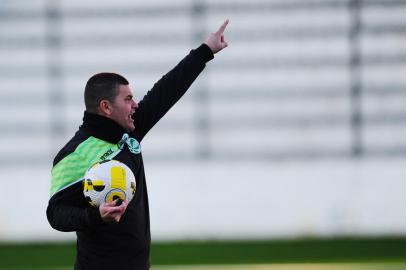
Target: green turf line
300 266
257 252
223 252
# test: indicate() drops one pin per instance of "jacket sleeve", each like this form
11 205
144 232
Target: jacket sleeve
169 89
68 212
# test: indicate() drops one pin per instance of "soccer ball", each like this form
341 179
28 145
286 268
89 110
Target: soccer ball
107 181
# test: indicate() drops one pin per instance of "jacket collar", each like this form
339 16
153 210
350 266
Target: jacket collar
102 127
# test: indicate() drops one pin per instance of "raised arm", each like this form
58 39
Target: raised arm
171 87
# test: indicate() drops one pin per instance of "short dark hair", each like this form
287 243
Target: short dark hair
102 86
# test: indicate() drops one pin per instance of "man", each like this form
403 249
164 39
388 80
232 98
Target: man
117 236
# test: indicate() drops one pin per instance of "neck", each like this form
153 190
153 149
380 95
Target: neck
102 127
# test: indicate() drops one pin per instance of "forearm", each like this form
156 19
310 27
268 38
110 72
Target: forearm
68 218
170 88
68 211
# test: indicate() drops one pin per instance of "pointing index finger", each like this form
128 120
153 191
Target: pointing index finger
222 27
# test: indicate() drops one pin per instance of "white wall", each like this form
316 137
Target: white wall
238 200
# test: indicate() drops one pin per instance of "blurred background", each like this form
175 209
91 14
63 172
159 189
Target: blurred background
296 130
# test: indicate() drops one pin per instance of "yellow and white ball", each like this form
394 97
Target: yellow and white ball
107 181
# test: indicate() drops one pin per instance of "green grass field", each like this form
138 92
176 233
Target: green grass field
331 254
297 266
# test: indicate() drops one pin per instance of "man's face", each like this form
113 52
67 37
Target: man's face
123 108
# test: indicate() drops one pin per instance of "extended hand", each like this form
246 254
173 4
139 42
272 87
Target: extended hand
110 212
216 40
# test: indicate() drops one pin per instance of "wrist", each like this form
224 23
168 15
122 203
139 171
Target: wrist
205 52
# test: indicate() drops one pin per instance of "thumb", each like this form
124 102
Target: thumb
112 203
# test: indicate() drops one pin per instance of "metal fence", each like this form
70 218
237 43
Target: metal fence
301 79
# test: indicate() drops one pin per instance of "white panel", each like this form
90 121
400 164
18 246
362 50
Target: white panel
279 50
264 107
279 140
34 87
282 20
297 78
383 137
38 115
20 28
388 45
385 74
151 25
96 4
385 104
33 144
377 15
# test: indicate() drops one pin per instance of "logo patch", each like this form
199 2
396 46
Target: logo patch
133 145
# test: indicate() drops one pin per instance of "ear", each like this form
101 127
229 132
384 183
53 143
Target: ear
105 108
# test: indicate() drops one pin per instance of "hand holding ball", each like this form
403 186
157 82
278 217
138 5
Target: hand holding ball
108 181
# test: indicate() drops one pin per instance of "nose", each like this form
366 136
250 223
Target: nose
135 104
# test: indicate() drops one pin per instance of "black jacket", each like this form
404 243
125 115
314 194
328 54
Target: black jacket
123 245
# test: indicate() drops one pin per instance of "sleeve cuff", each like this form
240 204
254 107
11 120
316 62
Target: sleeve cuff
204 52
